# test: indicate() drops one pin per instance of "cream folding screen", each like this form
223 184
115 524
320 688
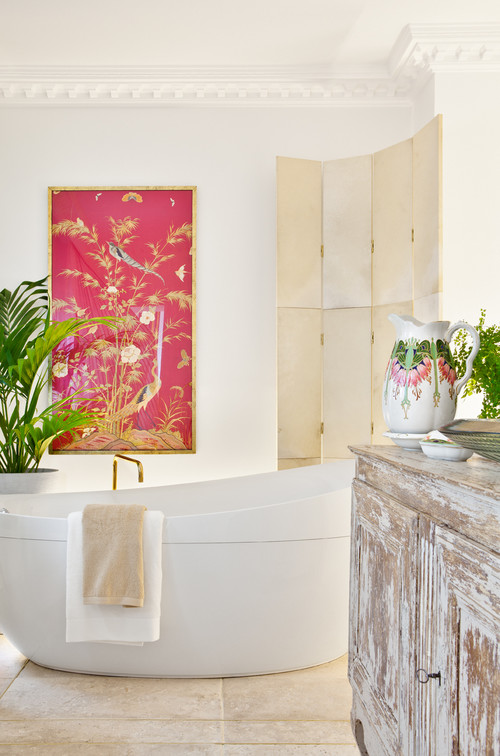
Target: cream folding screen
347 303
357 239
299 296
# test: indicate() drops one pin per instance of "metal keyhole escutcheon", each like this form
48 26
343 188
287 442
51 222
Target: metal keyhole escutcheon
423 676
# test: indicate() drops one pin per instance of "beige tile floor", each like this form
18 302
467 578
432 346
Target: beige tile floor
49 713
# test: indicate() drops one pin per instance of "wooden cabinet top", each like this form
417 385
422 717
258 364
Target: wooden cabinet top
464 496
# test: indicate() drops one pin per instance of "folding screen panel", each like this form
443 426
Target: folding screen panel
347 235
299 384
299 295
347 232
381 231
392 277
427 221
392 224
299 193
346 380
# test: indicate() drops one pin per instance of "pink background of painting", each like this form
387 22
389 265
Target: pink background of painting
157 213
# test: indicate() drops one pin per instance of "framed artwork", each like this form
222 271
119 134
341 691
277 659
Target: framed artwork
127 253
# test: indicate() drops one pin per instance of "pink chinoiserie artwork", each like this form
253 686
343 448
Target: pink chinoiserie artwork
127 254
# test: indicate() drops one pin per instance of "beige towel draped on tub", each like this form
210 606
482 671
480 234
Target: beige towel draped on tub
113 571
104 623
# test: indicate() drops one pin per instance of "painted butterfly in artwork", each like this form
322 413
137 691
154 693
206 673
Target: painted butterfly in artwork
132 196
185 359
181 272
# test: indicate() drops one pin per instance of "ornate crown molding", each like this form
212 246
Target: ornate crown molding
419 52
423 50
209 86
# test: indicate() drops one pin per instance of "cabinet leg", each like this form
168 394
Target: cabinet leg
359 734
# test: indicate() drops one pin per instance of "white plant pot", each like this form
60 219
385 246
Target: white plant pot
42 481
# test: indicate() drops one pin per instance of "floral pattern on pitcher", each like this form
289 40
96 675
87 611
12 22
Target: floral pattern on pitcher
412 363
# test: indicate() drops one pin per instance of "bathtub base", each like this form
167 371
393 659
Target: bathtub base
186 677
234 610
259 585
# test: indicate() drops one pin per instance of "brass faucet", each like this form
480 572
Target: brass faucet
140 469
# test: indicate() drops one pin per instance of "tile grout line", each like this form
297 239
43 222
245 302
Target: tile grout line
171 720
222 718
14 678
116 742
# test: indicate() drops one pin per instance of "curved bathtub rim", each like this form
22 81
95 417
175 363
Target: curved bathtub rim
301 477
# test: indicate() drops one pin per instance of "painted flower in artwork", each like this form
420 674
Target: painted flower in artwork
60 370
112 290
130 353
147 317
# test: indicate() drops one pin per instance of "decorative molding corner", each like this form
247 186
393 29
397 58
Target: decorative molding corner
419 52
424 50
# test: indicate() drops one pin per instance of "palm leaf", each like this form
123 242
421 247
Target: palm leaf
23 313
39 434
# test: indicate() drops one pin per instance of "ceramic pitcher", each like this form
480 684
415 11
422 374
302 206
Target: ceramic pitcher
420 385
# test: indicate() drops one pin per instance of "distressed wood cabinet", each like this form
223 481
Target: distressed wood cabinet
424 658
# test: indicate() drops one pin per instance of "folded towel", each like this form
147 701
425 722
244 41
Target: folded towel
113 570
114 624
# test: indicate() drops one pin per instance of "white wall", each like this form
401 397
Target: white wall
229 154
471 197
424 108
471 193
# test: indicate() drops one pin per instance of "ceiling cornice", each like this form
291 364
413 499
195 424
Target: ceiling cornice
423 50
181 85
419 52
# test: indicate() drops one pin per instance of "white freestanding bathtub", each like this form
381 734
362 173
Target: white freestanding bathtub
255 576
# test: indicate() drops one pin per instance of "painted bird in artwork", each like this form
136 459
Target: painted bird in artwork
142 398
120 254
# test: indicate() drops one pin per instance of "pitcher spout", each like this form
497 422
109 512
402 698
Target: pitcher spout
409 327
402 323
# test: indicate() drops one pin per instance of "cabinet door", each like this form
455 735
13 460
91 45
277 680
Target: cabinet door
382 626
467 648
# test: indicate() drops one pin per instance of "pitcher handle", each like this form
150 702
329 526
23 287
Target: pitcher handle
476 343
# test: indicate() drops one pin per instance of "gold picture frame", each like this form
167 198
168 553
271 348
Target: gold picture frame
128 253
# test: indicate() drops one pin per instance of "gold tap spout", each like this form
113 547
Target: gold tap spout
140 469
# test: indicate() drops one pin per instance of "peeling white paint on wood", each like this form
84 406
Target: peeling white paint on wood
425 594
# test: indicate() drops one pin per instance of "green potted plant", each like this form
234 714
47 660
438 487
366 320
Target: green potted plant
27 338
485 378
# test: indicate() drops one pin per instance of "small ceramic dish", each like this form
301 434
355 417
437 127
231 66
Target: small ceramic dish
408 441
437 448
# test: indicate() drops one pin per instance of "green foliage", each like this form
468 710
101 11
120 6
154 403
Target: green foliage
485 377
27 338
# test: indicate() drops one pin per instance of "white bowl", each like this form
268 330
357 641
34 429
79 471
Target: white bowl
447 450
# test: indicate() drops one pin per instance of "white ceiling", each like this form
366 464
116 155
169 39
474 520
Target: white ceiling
343 34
